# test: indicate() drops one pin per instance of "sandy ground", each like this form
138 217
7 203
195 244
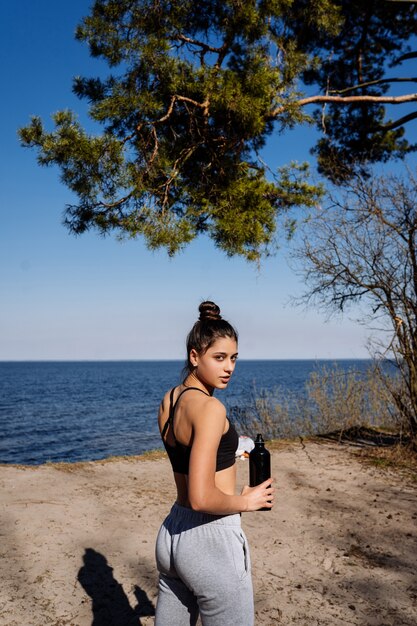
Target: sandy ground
340 546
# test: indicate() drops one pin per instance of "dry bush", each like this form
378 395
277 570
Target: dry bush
341 399
334 399
275 414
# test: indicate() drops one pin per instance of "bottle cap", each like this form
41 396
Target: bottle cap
259 439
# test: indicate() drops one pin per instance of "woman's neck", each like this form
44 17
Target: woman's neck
193 380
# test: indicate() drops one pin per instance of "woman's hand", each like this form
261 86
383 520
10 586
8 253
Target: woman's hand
260 496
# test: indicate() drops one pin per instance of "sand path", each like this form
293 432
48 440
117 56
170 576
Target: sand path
340 546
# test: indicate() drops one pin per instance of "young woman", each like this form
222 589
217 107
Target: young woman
201 551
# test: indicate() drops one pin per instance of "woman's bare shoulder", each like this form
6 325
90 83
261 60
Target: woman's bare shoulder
206 409
214 404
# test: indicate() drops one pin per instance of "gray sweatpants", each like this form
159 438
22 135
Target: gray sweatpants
204 567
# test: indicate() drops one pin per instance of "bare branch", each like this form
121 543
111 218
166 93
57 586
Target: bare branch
412 97
405 57
200 44
203 105
371 83
397 123
168 113
117 203
185 154
156 147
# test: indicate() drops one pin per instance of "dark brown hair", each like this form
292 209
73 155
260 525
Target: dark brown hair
208 328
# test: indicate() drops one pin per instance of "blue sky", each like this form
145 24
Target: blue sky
88 297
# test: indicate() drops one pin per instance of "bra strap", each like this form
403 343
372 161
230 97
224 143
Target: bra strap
172 407
187 389
170 414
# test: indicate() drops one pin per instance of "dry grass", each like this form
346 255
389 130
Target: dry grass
398 458
153 455
333 399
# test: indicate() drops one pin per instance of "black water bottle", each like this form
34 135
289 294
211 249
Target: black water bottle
259 465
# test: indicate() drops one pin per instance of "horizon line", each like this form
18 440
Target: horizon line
176 360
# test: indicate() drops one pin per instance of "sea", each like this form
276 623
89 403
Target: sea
89 410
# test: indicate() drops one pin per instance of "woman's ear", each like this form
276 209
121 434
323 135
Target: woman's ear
193 357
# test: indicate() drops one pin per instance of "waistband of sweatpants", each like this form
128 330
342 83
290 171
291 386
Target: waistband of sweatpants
187 515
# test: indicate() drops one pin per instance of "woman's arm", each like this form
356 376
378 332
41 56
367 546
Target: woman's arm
203 494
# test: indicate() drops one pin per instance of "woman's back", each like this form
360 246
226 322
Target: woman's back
178 410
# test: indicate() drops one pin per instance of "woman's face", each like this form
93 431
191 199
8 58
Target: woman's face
215 367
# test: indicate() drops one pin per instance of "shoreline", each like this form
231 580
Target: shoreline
77 540
158 453
370 441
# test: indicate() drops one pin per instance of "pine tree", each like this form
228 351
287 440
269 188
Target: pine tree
196 89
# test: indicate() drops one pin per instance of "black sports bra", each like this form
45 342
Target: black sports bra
179 454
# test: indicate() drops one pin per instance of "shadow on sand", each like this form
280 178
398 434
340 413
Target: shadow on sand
110 605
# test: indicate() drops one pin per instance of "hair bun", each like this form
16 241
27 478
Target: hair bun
209 311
